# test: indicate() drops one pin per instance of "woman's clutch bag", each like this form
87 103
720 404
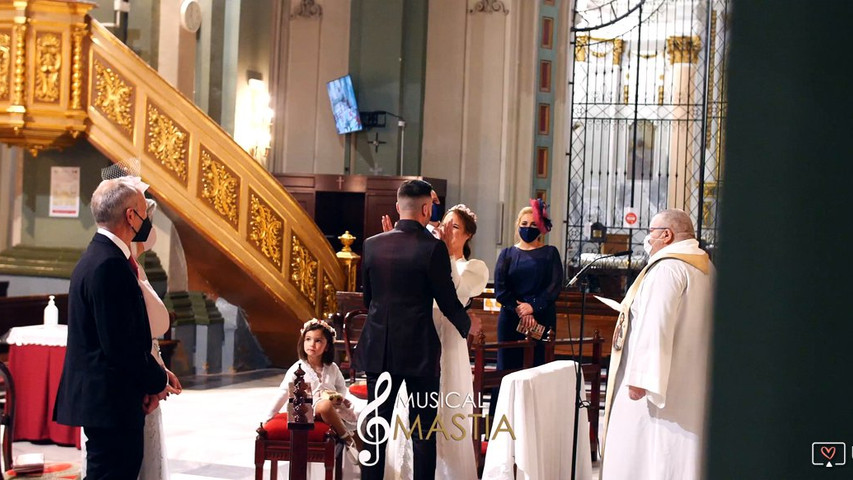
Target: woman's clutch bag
537 332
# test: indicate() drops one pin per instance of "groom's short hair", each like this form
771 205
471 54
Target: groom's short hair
410 192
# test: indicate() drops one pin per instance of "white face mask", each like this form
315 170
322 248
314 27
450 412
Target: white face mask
647 244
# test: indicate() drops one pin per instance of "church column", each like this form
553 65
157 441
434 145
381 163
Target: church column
176 63
683 54
312 47
11 181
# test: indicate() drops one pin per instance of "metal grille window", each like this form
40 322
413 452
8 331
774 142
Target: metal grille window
647 117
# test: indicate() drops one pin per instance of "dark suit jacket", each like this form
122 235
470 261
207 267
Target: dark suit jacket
403 271
108 363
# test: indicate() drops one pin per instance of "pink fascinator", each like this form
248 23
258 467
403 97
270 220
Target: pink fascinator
540 215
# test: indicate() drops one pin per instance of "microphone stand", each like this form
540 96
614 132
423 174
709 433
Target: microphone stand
584 290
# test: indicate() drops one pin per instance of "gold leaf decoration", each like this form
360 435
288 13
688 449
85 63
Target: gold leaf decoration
683 49
219 186
330 302
113 97
48 63
5 63
265 229
303 270
20 62
77 67
167 142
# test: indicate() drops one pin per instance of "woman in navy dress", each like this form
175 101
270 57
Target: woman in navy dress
528 279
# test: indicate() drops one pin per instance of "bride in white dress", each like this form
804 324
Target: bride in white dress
455 457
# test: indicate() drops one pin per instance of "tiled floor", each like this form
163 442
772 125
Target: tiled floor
210 427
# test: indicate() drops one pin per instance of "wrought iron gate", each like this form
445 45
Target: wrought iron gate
647 118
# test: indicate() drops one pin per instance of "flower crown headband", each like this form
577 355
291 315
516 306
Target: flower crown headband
315 321
464 208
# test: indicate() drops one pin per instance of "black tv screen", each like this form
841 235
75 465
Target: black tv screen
344 108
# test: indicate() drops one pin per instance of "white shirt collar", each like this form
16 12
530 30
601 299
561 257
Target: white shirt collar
689 246
120 244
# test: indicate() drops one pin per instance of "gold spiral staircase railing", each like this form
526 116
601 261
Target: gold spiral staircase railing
245 237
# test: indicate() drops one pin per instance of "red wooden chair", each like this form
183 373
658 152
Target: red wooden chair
353 325
7 417
487 377
273 443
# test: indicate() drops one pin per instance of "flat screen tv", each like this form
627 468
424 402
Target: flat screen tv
344 108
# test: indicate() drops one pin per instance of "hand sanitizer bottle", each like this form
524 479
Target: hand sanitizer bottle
51 313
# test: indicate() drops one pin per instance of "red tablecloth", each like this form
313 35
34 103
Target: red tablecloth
36 370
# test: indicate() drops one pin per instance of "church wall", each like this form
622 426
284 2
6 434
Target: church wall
37 227
315 50
252 62
479 111
387 63
10 195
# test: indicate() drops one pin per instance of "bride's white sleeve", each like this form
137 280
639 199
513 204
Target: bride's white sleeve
473 277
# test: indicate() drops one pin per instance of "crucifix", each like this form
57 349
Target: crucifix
340 182
376 142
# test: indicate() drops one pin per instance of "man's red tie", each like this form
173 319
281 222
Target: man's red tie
134 266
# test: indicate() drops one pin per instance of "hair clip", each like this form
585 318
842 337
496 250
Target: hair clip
540 215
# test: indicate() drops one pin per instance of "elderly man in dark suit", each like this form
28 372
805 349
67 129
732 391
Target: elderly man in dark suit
110 381
404 270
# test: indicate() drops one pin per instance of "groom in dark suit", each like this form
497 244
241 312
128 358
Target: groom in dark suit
110 381
403 271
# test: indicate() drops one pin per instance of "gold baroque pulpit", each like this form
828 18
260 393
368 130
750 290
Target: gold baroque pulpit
42 72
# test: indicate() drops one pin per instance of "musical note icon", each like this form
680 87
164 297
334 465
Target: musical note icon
380 427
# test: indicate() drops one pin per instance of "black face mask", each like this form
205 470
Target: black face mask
528 234
144 229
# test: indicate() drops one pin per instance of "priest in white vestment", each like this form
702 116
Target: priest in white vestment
654 427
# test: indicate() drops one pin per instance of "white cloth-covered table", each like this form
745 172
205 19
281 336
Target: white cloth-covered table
50 336
539 407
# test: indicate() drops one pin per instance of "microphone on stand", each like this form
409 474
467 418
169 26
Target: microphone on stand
588 265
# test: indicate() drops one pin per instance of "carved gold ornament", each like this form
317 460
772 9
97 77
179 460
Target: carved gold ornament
683 49
77 66
265 229
48 63
219 186
20 51
167 142
582 48
5 63
113 97
303 270
330 302
618 49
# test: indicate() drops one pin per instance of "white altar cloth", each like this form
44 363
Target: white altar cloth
47 335
539 407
